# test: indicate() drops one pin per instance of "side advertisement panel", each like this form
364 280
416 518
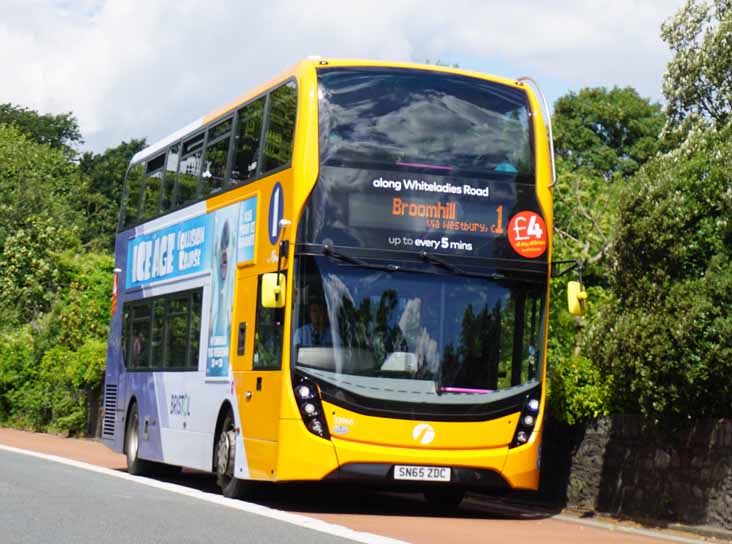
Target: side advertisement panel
213 243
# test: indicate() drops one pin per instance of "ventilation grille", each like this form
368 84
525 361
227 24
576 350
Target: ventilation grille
110 409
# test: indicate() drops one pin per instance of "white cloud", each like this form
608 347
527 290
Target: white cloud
141 68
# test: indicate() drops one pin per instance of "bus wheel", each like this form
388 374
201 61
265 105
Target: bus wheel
444 498
135 465
231 487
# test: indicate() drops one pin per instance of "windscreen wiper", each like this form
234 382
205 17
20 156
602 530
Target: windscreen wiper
433 259
329 250
440 262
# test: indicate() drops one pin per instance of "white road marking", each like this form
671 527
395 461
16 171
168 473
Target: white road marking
251 508
316 524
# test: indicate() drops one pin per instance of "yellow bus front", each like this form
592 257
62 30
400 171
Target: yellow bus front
417 273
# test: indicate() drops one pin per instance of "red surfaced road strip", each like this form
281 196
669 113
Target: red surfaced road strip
482 528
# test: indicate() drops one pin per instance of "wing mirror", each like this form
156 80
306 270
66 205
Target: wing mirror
273 290
576 298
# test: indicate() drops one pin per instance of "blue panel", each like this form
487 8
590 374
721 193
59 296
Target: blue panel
276 209
168 253
247 230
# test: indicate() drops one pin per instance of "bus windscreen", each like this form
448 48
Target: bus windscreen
398 336
394 119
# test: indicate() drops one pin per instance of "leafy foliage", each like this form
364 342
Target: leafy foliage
31 272
606 133
57 131
665 337
698 80
602 138
54 299
35 181
104 175
50 370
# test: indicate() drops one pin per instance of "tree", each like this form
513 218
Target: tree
104 176
698 79
58 131
602 137
607 133
664 336
36 181
54 296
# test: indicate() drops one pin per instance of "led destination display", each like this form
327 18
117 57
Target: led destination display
372 209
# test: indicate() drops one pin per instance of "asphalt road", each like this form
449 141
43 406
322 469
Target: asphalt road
44 501
82 493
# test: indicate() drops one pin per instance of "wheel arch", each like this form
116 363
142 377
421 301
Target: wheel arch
132 402
225 409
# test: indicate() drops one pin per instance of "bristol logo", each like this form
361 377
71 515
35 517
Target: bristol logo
423 433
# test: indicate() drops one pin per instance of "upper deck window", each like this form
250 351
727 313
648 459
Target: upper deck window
186 189
248 138
253 142
280 127
154 170
216 158
425 121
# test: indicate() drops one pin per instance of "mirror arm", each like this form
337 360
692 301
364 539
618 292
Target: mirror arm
284 251
576 263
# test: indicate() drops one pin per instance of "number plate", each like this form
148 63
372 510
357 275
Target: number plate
421 474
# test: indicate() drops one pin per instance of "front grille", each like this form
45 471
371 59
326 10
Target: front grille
110 409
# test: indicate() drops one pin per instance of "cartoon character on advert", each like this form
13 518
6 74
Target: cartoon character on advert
222 290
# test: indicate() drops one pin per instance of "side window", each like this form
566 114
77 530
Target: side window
163 333
156 334
132 195
246 145
194 328
125 340
150 205
267 335
280 127
176 337
216 158
186 188
171 169
140 341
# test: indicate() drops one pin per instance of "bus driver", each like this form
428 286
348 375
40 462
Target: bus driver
317 332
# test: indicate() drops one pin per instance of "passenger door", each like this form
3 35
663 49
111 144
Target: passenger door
258 376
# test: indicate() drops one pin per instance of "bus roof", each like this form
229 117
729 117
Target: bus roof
305 65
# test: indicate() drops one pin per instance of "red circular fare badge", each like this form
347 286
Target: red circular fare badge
527 234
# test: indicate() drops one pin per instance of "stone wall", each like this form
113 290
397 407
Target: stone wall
622 465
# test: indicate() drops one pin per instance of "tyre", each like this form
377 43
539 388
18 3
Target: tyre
444 499
225 461
135 465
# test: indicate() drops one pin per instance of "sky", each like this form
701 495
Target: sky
145 68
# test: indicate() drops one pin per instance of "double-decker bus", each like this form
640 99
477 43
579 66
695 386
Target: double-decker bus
341 276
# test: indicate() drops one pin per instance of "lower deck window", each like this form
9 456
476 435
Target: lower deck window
162 333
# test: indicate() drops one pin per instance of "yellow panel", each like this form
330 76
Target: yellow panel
245 304
440 435
261 456
303 456
353 452
259 403
521 470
